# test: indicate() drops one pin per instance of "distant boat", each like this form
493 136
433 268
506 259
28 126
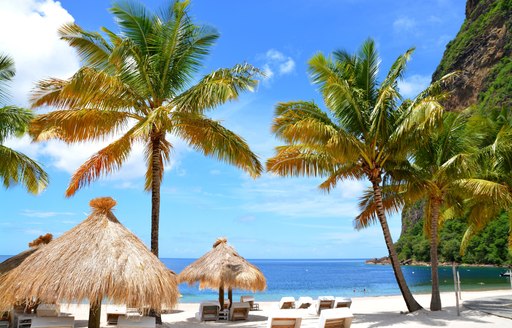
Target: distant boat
505 274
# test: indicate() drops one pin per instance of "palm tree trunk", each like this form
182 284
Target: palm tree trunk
155 206
435 301
221 297
155 194
94 315
411 303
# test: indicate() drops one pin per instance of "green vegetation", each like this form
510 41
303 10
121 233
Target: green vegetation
498 90
15 167
489 246
473 29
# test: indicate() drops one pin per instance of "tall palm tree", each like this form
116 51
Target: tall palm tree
139 83
434 175
15 167
367 132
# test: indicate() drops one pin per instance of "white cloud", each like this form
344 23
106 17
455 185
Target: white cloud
287 67
44 214
411 86
300 198
30 38
404 24
276 61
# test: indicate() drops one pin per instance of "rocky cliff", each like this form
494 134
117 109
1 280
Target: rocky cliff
481 53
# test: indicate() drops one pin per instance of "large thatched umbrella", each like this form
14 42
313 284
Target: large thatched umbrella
221 268
97 259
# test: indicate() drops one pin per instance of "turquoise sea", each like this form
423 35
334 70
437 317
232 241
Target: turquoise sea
350 278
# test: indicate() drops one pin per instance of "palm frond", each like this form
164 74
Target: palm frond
211 138
105 161
14 121
78 125
392 202
88 88
92 48
301 160
17 168
7 72
217 88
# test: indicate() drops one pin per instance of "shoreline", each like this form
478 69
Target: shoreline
385 261
374 311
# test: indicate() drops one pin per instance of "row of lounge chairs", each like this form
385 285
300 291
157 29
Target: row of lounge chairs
322 303
329 318
210 311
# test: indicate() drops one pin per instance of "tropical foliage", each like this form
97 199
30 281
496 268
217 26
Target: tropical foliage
138 86
367 134
15 167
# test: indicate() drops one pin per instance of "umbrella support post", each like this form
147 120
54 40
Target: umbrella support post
221 298
158 316
230 297
94 315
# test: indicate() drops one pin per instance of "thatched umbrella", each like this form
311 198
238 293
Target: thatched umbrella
99 258
16 260
221 268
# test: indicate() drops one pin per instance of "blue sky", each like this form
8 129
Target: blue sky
203 199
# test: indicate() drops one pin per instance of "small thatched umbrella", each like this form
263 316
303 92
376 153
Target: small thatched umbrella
221 268
97 259
16 260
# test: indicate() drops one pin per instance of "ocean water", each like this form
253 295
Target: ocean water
348 278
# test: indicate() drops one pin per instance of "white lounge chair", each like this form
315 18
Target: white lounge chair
48 310
287 302
284 321
303 302
53 322
239 311
250 299
324 302
341 302
114 311
208 311
335 318
136 322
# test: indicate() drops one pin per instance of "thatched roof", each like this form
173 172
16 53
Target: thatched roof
223 267
98 258
16 260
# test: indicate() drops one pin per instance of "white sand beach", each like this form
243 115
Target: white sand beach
383 311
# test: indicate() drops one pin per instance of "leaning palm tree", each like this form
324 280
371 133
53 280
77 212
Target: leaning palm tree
139 84
15 167
368 131
434 175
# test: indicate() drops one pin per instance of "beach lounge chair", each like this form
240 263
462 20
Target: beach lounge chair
239 311
4 324
114 311
136 322
48 310
335 318
304 302
341 302
284 321
250 299
53 322
324 302
287 302
208 311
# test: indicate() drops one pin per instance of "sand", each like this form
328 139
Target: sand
383 311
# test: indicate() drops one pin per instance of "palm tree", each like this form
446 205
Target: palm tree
492 185
16 167
368 131
437 168
139 83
